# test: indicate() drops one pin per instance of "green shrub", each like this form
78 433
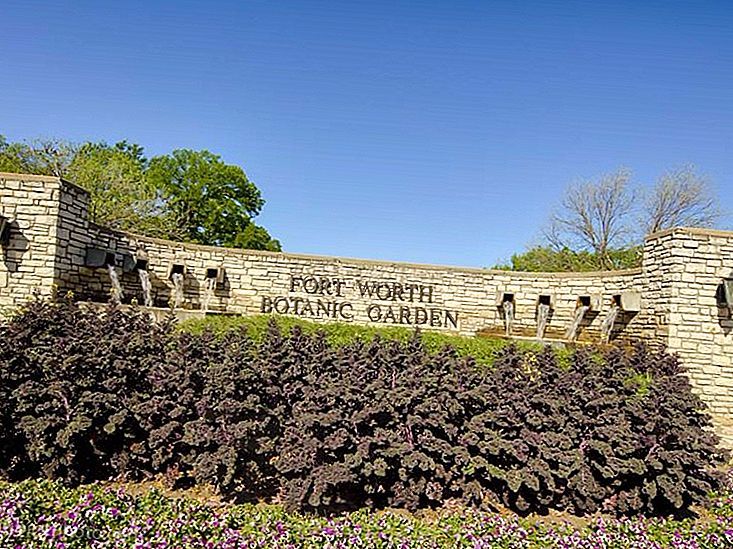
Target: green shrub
482 349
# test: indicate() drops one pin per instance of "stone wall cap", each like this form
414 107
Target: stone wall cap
68 183
374 262
12 176
697 231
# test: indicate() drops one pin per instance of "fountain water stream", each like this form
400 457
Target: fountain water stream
146 287
543 313
508 307
572 332
209 289
177 279
608 322
116 287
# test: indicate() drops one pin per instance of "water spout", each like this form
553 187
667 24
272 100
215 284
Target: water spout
543 313
146 287
177 279
116 287
608 322
209 289
508 308
572 332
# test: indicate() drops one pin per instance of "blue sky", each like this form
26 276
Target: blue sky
437 132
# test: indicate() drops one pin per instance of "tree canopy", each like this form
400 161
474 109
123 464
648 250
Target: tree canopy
187 195
593 216
42 156
600 223
681 197
213 202
549 259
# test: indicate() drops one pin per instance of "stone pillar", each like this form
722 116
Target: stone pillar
30 205
685 268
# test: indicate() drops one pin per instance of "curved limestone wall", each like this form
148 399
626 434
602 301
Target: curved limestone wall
677 298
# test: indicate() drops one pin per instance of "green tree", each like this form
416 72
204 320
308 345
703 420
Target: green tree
187 195
549 259
42 156
121 196
254 237
213 202
12 158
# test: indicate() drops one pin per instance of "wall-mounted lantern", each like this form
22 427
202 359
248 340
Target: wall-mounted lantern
724 295
728 292
4 231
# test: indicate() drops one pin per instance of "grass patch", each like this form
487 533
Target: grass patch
483 349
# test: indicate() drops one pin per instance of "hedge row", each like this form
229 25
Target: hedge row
482 349
89 396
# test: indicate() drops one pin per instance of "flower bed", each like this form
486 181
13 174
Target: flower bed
47 514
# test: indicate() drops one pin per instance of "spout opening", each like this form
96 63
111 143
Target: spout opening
177 269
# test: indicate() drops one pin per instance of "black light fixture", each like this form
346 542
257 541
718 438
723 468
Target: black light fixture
4 231
724 297
724 293
728 291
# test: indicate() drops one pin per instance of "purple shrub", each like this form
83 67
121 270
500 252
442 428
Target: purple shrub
89 395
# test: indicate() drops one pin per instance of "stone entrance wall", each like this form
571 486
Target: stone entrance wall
673 300
29 213
686 269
